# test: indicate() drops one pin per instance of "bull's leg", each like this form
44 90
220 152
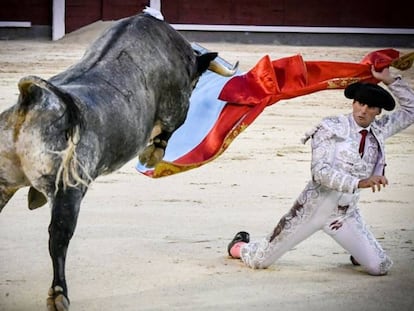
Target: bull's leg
154 153
65 210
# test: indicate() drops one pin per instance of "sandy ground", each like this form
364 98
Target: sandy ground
144 244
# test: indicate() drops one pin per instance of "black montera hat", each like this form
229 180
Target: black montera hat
370 94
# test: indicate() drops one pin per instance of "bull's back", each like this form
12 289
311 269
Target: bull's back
136 51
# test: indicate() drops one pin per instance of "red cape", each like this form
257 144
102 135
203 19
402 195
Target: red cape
247 95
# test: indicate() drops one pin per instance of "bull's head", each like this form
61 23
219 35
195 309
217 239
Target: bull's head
207 60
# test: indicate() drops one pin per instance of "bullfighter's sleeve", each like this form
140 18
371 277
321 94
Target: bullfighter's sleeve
403 116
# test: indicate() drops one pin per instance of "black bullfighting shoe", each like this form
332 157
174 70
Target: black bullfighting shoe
241 236
354 262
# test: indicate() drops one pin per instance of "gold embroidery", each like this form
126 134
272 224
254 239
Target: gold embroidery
404 62
341 82
163 169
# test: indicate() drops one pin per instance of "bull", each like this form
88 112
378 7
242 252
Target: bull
124 98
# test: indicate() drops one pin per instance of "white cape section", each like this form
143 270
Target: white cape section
205 108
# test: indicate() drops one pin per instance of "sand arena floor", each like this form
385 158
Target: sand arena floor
144 244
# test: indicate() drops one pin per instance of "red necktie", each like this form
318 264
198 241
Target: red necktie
362 142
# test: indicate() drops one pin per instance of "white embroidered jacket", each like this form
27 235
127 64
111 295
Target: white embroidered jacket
336 163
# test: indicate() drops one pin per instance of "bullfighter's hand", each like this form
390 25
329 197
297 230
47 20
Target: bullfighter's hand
373 182
385 75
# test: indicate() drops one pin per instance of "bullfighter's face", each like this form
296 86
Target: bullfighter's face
364 114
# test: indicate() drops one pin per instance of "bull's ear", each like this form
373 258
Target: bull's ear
203 61
30 85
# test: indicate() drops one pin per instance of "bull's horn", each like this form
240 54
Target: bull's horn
216 67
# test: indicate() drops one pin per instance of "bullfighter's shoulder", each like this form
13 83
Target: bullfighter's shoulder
337 126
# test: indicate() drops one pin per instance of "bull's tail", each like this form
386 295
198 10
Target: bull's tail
70 172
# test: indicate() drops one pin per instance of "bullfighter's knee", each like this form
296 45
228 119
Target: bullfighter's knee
381 268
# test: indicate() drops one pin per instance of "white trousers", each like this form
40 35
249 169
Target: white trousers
319 208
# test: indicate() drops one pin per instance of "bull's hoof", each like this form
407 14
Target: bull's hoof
151 156
146 154
57 300
156 157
